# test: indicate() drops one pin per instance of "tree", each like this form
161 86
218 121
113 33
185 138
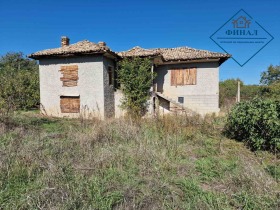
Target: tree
271 75
271 81
136 78
228 90
19 82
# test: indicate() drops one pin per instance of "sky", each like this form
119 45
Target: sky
30 26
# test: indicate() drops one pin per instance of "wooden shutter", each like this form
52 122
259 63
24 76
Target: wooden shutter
183 77
69 76
192 73
180 76
190 76
70 104
173 77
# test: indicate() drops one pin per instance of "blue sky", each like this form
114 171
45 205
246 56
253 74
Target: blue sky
30 26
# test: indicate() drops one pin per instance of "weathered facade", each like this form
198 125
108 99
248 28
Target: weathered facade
78 80
187 79
74 85
201 95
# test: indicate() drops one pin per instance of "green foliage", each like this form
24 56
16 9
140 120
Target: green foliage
272 91
256 122
197 198
214 168
271 75
274 171
228 88
19 82
269 89
228 91
271 80
248 92
136 78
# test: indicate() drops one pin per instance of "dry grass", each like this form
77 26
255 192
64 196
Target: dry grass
166 163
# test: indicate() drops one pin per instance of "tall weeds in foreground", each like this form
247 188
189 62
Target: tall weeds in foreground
163 163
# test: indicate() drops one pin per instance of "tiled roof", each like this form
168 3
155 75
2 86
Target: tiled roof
167 54
138 51
174 54
82 47
186 53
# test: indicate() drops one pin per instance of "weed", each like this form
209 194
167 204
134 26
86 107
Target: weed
162 163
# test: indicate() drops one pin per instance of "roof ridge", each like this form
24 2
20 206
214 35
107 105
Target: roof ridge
175 53
81 47
83 41
168 54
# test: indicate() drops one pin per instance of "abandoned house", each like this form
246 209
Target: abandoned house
79 79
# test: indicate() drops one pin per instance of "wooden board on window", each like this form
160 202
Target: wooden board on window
70 104
190 76
69 75
173 77
180 73
181 77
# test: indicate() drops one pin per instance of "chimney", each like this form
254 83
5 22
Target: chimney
102 44
64 41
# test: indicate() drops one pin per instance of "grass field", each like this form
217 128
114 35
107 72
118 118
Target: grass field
166 163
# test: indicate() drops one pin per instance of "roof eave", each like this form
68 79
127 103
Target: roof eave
76 54
223 59
202 60
140 56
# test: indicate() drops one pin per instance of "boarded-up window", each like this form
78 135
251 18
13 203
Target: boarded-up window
69 75
183 77
70 104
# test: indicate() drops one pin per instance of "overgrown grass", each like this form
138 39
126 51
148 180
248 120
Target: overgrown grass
166 163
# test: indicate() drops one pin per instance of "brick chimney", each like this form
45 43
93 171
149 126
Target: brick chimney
102 44
64 41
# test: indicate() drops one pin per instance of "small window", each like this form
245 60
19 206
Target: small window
181 100
111 75
70 104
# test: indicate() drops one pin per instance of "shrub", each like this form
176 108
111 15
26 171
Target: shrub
255 122
136 78
19 82
271 91
228 92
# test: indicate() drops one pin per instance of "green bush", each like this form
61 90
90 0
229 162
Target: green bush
272 91
19 82
136 78
228 92
257 123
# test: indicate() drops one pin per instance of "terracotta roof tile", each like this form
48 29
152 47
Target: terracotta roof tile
82 47
138 51
174 54
168 54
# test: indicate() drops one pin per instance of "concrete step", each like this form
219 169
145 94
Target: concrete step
179 106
